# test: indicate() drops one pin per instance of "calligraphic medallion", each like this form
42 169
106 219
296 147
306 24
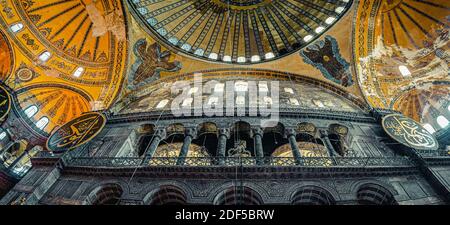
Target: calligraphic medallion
76 132
5 102
408 132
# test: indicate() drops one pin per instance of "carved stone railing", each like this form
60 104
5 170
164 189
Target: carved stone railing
238 161
286 112
434 153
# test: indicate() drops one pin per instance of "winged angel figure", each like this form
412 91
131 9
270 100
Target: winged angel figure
149 64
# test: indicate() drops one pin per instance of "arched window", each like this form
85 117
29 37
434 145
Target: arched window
239 196
42 123
44 57
78 72
2 135
16 27
31 111
168 195
108 194
374 194
312 196
442 121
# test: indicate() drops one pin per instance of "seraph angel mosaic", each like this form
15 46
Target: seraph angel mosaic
325 56
151 61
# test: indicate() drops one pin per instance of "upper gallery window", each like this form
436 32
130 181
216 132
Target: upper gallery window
44 57
16 27
442 121
42 123
2 135
31 111
78 72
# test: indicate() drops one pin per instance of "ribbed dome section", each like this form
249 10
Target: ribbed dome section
238 31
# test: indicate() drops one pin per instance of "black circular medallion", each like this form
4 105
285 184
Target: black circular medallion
408 132
76 132
5 102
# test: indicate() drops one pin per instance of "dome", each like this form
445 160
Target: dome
238 31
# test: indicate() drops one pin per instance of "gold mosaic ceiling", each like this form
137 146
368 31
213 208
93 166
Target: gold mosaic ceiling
69 55
238 31
87 47
402 56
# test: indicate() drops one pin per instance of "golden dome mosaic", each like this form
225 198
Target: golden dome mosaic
238 31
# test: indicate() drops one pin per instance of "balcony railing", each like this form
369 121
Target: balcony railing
434 153
238 161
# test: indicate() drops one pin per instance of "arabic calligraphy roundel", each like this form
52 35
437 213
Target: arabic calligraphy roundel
408 132
5 102
76 132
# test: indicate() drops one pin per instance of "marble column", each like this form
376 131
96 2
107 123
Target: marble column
158 136
291 134
190 133
331 151
224 135
259 151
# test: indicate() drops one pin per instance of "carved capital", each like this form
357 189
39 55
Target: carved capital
192 132
162 133
257 131
290 132
225 132
323 133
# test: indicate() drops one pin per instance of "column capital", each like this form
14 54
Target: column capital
162 133
257 131
191 131
323 132
290 132
224 132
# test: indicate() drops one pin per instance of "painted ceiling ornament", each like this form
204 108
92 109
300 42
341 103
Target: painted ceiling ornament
325 56
237 31
408 132
149 64
76 132
5 102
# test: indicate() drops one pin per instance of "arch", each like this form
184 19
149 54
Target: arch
240 135
30 111
207 137
374 194
312 195
238 195
207 128
175 129
273 138
167 195
145 132
106 194
337 134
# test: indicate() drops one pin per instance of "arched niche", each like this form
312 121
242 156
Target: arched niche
238 195
167 195
106 194
374 194
312 195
